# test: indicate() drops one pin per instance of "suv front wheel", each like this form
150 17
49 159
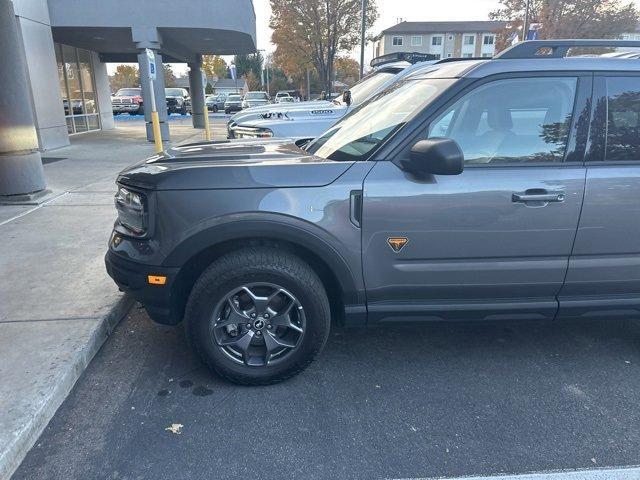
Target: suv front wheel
258 316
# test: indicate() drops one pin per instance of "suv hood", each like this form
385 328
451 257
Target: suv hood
255 163
256 112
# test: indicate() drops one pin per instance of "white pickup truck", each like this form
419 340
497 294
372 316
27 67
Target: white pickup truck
309 119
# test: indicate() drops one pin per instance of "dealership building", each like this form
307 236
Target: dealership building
59 50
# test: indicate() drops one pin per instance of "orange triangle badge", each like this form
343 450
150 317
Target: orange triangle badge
397 243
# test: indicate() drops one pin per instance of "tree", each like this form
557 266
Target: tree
253 82
567 18
314 32
125 76
214 66
169 76
347 70
248 63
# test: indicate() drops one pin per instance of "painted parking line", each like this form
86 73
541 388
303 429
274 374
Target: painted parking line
626 473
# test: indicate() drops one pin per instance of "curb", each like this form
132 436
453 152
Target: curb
15 452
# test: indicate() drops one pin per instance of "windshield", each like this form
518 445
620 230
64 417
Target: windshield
234 97
368 126
365 87
256 96
173 92
128 92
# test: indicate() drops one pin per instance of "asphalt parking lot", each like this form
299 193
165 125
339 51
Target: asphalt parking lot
420 401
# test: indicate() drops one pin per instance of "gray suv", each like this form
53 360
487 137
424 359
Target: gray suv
484 189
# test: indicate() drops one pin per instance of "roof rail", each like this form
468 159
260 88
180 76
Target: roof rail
557 48
410 57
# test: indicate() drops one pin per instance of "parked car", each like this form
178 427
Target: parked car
178 100
255 99
233 103
502 188
283 97
128 100
309 119
215 102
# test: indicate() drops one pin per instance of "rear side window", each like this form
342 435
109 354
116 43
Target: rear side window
623 118
520 120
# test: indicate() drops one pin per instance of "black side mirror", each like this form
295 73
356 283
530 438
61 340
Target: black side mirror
438 156
346 97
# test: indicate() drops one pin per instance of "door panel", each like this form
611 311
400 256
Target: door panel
604 270
468 242
494 241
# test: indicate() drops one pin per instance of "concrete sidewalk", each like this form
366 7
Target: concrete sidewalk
57 304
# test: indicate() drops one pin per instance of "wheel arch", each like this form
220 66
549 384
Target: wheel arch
195 253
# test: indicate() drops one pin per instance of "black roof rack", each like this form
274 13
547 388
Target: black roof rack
410 57
557 48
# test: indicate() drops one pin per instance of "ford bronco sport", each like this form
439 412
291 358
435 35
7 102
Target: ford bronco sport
484 189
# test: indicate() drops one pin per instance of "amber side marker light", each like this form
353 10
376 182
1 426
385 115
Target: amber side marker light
156 279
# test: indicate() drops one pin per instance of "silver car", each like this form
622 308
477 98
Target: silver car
255 99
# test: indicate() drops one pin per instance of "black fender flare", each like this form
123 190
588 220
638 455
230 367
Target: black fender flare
273 227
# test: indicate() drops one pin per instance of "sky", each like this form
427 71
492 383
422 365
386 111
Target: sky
390 13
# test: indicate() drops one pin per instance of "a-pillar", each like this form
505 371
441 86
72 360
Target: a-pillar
158 86
21 169
197 93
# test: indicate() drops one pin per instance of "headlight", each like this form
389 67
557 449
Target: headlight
132 211
252 132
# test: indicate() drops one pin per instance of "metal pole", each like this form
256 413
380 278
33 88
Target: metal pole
526 20
267 65
364 29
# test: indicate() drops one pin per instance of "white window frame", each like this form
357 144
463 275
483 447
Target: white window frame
485 37
441 37
417 43
397 38
472 37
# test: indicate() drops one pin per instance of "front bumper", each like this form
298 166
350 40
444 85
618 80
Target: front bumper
233 108
126 108
132 278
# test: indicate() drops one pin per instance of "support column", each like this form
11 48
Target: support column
197 94
161 101
103 93
21 169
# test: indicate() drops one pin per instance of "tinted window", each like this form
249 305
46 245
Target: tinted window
623 118
129 92
516 120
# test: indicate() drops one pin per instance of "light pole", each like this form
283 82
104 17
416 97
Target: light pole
362 34
264 68
525 29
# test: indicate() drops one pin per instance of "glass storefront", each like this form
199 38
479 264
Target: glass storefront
77 86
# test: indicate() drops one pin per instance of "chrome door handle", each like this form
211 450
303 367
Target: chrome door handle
539 196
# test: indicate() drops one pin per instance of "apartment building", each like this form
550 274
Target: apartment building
443 39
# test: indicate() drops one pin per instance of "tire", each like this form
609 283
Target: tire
255 269
116 113
227 111
140 111
215 109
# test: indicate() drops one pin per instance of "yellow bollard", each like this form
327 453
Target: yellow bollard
157 136
207 131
